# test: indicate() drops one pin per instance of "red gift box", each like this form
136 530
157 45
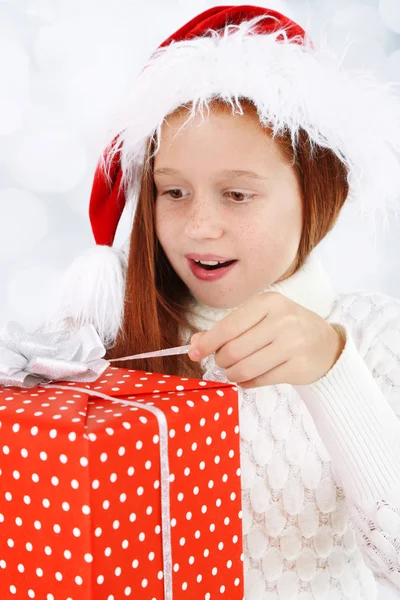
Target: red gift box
81 514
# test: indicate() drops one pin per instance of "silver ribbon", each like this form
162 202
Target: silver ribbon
31 359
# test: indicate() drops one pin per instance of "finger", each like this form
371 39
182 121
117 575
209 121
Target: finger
252 340
279 375
259 363
233 325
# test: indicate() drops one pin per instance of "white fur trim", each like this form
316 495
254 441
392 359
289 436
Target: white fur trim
92 291
292 85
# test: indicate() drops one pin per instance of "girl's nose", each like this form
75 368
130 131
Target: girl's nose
203 220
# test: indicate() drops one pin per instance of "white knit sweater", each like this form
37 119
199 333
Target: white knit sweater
320 463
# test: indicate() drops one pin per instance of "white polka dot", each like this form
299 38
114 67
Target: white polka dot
214 570
144 583
46 502
24 452
35 477
135 563
76 531
84 461
127 591
98 531
56 528
43 455
34 430
18 520
78 580
196 490
131 471
139 445
65 506
140 490
125 544
31 593
39 572
27 500
197 534
86 509
113 477
132 517
121 451
88 557
118 571
29 546
107 551
47 550
63 458
74 484
100 579
106 504
16 474
8 496
53 433
116 524
151 555
142 536
188 515
199 578
13 589
37 525
182 541
180 496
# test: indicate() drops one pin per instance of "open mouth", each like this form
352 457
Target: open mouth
214 267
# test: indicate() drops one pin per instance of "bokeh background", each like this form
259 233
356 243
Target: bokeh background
63 66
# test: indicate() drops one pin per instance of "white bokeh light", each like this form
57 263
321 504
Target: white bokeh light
30 294
48 160
390 14
24 223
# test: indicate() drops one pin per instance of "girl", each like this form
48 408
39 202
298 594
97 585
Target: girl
238 146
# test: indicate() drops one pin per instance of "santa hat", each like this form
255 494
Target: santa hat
233 52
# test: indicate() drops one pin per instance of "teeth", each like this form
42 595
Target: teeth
210 262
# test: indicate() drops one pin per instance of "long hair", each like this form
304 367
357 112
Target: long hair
156 297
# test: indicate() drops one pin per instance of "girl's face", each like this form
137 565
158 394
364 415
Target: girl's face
206 203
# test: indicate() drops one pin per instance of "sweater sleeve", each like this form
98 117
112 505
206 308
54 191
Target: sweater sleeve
356 410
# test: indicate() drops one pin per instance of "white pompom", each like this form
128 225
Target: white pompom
92 291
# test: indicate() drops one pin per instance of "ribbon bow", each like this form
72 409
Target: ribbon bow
31 359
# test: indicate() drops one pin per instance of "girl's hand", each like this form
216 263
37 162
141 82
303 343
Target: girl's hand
271 340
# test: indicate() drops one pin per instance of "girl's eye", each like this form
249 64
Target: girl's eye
173 192
240 196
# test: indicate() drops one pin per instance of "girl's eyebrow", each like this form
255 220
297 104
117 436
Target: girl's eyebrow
226 172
